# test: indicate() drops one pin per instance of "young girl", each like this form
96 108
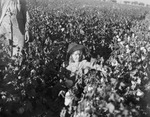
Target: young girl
76 59
77 65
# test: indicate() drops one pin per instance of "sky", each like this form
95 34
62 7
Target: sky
144 1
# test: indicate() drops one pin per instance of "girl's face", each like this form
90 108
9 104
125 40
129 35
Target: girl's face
76 55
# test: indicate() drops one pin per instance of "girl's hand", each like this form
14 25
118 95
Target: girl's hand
68 83
26 36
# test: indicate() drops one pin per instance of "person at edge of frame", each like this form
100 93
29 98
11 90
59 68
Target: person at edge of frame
14 26
75 64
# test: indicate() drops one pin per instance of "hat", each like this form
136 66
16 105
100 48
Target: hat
73 47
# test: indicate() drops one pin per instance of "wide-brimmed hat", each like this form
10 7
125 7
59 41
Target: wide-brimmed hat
73 47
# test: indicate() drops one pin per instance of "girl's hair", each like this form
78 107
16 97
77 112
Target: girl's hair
81 57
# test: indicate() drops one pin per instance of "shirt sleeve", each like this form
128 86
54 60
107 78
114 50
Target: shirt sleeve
25 13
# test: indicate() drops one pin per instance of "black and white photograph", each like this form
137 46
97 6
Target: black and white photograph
74 58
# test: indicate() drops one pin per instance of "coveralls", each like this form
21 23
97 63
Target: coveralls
13 24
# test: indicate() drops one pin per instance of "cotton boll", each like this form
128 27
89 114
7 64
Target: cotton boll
139 93
114 62
68 99
90 88
62 29
143 58
143 49
139 81
86 71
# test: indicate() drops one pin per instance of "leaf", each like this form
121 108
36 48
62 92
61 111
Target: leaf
125 112
112 98
81 32
29 106
113 81
110 107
